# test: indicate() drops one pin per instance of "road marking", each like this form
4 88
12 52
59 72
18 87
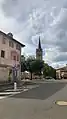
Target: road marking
12 90
2 97
8 93
62 103
25 90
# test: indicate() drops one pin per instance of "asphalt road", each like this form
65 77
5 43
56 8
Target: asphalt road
35 103
42 92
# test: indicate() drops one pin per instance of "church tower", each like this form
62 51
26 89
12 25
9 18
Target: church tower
39 51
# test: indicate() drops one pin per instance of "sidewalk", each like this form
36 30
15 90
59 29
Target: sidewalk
35 81
53 110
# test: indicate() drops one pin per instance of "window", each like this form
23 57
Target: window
11 44
14 58
17 57
17 46
4 40
2 53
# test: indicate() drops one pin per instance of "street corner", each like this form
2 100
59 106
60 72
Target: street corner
61 103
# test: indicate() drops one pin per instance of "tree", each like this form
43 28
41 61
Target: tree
38 66
49 71
29 64
23 64
34 65
45 70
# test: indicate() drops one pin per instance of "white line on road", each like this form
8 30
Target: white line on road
8 93
11 93
2 97
25 90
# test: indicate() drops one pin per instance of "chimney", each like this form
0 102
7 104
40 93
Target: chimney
10 34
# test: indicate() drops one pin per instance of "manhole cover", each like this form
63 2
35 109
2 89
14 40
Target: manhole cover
64 103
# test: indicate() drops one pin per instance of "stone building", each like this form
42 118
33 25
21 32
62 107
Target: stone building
10 54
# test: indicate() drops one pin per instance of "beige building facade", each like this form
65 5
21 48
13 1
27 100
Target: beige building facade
61 73
10 54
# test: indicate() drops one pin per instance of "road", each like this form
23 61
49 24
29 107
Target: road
36 103
42 92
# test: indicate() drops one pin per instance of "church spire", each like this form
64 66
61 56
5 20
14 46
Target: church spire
39 51
39 45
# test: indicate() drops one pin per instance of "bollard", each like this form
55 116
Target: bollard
15 86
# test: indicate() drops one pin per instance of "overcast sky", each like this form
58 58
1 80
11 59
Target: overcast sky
29 19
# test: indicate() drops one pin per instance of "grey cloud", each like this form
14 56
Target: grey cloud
63 20
65 4
30 49
20 9
56 35
49 21
59 30
61 57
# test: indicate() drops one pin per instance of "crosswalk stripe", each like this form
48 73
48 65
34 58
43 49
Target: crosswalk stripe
2 97
8 93
25 89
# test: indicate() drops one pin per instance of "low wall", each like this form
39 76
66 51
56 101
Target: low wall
3 73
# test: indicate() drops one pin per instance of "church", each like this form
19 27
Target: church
39 51
39 56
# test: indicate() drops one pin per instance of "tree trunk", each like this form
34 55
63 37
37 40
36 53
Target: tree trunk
31 76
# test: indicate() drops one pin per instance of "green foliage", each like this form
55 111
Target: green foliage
23 64
49 71
30 65
37 66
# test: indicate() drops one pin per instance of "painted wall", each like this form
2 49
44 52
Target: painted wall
8 59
